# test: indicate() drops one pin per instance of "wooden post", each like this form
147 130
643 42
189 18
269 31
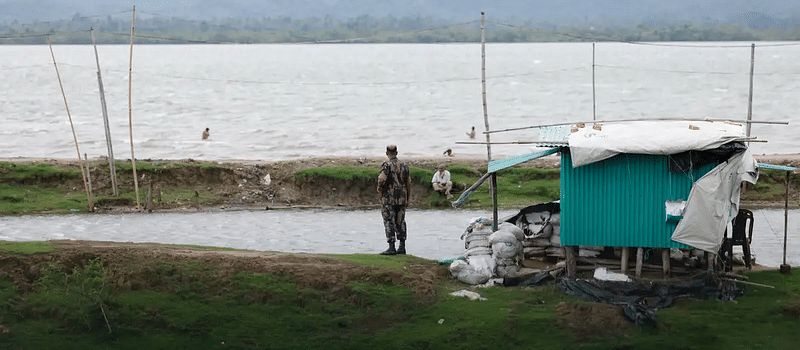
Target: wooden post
72 126
493 183
571 261
89 180
624 259
130 109
111 164
665 263
785 269
639 261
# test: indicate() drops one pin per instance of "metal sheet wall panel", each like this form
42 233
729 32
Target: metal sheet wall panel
619 202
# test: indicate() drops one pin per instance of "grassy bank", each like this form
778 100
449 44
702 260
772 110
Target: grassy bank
27 188
123 296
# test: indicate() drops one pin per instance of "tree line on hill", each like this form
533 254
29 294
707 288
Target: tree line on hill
362 29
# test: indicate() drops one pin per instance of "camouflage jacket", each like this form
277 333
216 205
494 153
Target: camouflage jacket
394 183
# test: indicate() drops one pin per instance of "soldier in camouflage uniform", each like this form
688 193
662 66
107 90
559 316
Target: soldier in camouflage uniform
394 185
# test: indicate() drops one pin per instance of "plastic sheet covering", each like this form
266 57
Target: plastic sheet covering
589 144
713 202
640 301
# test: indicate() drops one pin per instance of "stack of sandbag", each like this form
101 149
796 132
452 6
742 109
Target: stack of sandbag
479 265
542 235
507 249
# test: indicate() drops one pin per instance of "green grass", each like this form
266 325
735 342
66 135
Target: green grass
36 172
15 199
190 306
26 247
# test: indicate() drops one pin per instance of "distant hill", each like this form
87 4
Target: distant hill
780 14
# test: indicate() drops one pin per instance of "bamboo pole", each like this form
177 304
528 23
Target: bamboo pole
130 108
594 101
72 126
111 164
750 99
640 120
493 183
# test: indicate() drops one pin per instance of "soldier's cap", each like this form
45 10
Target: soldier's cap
391 148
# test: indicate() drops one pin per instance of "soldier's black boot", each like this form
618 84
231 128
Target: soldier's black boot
390 251
401 250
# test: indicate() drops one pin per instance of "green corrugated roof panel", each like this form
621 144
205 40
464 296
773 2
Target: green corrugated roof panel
619 202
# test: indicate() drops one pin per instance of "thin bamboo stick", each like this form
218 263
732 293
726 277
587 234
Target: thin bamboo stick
130 108
72 126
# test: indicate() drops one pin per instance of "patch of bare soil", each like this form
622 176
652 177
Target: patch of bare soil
590 320
142 266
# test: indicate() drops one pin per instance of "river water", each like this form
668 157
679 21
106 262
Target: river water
433 234
275 102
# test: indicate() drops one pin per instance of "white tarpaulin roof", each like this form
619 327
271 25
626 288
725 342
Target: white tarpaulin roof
590 143
714 201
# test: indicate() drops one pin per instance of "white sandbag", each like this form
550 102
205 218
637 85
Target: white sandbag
467 273
505 245
484 264
534 251
555 241
506 250
476 240
514 229
503 270
475 251
556 251
555 219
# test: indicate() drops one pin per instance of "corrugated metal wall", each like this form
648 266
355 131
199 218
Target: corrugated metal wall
619 202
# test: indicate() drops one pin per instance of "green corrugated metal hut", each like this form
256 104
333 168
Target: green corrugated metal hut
620 201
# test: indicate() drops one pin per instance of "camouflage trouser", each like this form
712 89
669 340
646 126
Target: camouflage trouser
394 222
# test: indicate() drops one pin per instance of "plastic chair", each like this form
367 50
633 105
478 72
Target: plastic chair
742 235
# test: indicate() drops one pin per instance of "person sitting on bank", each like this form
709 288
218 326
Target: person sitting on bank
441 181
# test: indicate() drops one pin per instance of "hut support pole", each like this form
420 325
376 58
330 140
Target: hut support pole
785 268
571 261
639 261
623 264
665 262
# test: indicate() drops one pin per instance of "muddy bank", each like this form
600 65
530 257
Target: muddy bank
187 184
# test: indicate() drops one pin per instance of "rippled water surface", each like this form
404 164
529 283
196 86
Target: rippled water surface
433 234
288 101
